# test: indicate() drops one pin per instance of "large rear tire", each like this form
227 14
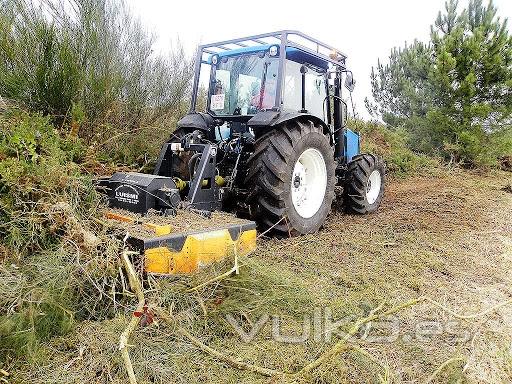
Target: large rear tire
291 178
180 165
364 184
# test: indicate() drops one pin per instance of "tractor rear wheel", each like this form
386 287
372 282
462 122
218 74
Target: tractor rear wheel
364 183
180 167
291 178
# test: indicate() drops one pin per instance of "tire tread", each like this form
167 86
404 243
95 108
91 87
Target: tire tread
266 178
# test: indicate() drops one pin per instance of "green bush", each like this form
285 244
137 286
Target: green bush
91 66
36 171
54 263
452 94
392 145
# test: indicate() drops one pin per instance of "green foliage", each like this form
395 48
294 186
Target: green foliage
391 144
45 294
46 205
90 65
21 332
399 86
454 95
36 166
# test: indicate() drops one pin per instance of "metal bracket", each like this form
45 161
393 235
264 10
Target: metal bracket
204 192
162 166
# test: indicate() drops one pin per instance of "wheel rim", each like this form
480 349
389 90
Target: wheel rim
308 184
373 187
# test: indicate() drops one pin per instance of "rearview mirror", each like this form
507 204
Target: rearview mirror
350 83
340 114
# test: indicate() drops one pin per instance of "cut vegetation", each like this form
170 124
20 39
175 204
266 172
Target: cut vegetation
447 237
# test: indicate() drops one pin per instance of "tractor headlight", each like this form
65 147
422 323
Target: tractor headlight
215 59
273 50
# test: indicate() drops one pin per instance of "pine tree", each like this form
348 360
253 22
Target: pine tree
455 94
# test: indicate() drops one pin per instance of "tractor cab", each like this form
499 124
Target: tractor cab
244 82
263 80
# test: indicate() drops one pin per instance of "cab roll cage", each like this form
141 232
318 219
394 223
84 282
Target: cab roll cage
283 39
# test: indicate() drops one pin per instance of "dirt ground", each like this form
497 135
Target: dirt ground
447 237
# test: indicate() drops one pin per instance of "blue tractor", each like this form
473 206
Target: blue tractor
271 142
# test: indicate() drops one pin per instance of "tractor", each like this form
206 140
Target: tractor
271 144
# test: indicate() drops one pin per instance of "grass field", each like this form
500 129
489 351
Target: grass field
447 236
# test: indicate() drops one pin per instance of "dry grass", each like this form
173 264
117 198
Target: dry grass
448 237
184 221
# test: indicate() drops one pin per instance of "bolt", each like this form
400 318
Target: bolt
297 181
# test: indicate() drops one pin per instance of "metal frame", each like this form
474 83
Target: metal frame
200 197
281 38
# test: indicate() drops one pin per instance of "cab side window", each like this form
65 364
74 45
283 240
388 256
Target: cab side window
292 90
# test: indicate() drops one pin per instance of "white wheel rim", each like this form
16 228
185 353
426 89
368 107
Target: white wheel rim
308 184
373 187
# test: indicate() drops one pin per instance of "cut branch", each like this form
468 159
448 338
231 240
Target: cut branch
342 345
338 348
134 321
443 366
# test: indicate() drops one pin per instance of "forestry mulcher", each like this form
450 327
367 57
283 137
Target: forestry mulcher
272 146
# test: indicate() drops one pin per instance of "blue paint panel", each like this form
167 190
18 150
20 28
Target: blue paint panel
300 57
293 54
241 51
351 144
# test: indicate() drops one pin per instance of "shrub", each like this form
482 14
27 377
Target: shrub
90 65
392 146
36 170
55 261
452 94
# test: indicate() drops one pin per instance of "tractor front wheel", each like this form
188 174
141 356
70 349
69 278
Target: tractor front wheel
364 184
291 178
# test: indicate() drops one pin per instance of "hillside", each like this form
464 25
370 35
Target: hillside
419 291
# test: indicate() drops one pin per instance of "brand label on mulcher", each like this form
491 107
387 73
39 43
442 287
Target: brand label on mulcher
127 194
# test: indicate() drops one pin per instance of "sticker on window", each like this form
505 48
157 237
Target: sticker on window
217 102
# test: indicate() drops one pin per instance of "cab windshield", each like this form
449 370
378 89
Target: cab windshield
243 85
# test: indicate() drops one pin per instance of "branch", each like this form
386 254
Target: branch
235 363
134 321
338 348
235 270
229 360
342 345
472 316
443 366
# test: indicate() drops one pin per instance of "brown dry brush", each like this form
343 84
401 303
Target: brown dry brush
307 371
49 292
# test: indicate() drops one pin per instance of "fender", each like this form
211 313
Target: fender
274 118
197 120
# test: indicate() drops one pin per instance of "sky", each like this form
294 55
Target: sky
365 30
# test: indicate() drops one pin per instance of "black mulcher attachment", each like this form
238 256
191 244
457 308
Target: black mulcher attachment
140 192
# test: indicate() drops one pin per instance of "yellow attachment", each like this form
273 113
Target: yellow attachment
119 217
198 249
159 230
220 181
180 184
